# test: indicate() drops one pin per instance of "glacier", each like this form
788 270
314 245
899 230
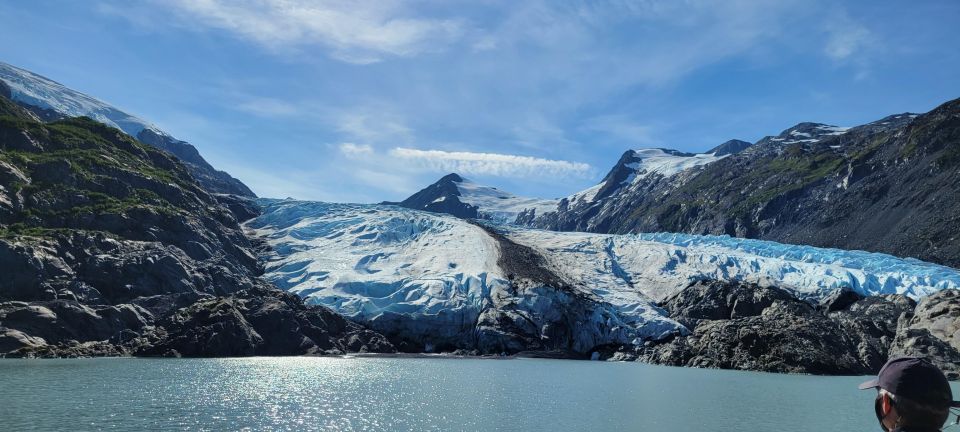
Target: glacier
437 281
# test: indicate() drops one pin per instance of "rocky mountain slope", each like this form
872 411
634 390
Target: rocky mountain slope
110 246
889 186
433 282
49 100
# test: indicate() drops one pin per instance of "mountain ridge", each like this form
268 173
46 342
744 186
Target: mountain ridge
756 191
49 100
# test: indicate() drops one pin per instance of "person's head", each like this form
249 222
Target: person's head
911 393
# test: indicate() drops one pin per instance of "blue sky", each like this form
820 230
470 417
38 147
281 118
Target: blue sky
365 101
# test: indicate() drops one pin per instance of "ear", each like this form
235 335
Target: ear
886 405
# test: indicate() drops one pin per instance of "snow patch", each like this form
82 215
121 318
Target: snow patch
659 161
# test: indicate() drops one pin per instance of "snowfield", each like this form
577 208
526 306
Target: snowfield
435 278
666 162
500 206
33 89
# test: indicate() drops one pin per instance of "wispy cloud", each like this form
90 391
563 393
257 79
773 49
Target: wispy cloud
356 151
267 107
371 124
352 31
491 164
846 38
620 128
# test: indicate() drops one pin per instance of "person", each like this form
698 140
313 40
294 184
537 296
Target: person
913 395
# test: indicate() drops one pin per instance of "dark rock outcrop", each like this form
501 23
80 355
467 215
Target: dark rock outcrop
749 327
932 330
730 147
441 197
258 321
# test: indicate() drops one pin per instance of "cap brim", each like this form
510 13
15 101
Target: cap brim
874 383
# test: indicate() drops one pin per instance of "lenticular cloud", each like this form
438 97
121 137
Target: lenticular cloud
495 164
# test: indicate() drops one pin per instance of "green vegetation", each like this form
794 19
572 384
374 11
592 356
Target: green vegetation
84 169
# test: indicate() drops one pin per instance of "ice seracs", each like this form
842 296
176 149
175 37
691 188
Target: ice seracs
433 278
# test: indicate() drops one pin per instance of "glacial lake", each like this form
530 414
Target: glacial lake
306 393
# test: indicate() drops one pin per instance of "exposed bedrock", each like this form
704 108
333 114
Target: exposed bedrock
257 321
749 327
932 330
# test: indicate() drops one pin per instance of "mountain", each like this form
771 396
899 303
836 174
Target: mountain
49 100
892 186
437 283
889 186
455 195
729 147
109 246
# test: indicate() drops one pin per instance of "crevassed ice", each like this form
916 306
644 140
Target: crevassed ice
371 261
868 273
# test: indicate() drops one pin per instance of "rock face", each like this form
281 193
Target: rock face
259 322
105 240
742 326
933 331
730 147
441 197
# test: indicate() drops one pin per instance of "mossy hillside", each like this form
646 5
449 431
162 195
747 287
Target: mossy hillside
87 170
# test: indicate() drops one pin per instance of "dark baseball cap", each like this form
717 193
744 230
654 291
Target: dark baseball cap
916 379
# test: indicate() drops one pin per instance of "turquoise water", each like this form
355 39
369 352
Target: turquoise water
303 393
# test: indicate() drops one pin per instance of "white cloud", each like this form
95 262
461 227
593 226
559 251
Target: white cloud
356 151
268 107
493 164
371 125
846 39
353 31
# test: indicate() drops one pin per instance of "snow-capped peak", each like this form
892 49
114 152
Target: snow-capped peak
32 89
459 196
499 205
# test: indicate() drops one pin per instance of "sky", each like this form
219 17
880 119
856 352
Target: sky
366 101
